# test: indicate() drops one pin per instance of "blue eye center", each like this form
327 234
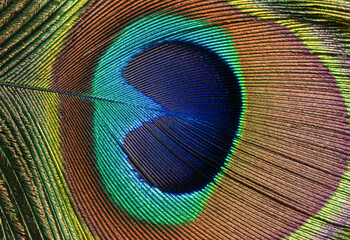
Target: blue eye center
183 149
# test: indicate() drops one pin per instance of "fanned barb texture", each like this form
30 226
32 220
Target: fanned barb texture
159 119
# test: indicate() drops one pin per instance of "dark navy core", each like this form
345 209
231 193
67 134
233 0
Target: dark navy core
183 150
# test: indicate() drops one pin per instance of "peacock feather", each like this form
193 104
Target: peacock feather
182 119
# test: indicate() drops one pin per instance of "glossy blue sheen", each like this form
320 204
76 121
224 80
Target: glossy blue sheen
183 150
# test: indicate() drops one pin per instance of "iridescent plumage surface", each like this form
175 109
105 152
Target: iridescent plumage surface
174 119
